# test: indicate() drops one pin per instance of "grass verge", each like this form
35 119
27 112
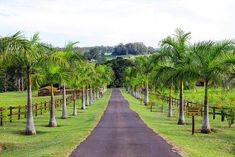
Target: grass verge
51 142
20 98
220 143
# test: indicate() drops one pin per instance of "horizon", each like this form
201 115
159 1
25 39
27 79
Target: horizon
110 22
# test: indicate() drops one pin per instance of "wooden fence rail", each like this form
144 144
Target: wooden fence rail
222 111
18 112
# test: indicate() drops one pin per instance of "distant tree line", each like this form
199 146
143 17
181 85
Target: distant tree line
99 52
132 48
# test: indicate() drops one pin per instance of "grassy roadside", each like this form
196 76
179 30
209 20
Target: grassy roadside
59 141
20 98
221 143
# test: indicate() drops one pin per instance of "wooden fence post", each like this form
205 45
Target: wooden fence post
222 115
36 110
1 117
10 113
201 110
213 112
19 112
45 106
41 107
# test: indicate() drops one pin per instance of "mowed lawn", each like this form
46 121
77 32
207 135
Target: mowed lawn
20 98
217 144
51 142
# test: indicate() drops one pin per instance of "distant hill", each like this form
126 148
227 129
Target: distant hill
101 53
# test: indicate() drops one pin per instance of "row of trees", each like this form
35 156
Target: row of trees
43 64
132 48
99 52
180 64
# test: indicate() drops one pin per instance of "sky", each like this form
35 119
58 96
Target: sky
110 22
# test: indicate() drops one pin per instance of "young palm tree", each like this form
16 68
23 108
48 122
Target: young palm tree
209 64
145 67
79 80
162 79
71 57
52 75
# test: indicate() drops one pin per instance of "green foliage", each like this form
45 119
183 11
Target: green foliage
118 66
132 48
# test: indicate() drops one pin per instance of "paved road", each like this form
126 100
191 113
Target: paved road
121 133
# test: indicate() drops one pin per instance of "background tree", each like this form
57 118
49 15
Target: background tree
118 66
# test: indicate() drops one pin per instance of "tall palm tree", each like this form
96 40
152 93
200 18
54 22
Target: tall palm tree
209 64
71 58
176 51
79 80
52 75
30 55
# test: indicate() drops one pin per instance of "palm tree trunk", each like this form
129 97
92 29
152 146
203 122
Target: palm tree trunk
181 105
30 128
91 97
94 97
87 96
74 104
146 96
135 92
170 103
206 124
98 92
64 108
83 99
19 86
52 121
22 82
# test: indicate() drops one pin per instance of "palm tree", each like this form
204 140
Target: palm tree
30 55
176 51
26 56
145 67
52 75
134 80
104 75
79 80
71 57
209 64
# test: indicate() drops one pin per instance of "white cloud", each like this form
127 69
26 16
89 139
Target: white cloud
109 22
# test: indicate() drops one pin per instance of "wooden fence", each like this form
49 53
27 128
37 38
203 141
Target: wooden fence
18 112
222 111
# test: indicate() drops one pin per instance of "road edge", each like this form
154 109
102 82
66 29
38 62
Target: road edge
174 147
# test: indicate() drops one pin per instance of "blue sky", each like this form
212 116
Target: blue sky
109 22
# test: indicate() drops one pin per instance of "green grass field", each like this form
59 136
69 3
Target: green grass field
20 98
51 142
217 96
217 144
